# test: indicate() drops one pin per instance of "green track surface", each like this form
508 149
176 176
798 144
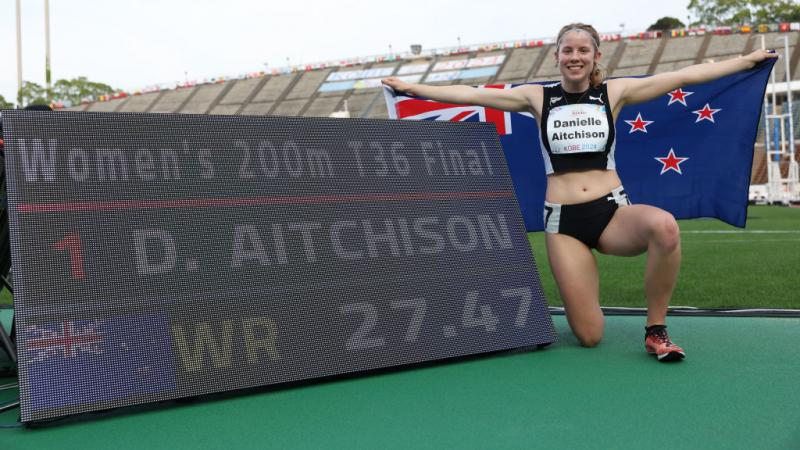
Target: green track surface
738 389
5 362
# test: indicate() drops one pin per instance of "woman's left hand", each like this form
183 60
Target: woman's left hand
760 55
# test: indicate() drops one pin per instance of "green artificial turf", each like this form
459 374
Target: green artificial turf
722 267
5 298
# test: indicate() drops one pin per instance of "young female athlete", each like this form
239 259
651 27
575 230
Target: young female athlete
585 205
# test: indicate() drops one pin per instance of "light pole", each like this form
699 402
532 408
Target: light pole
19 57
47 48
794 175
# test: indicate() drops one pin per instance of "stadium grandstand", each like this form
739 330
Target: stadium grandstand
351 87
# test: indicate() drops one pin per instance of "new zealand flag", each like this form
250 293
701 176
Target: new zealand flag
689 152
76 362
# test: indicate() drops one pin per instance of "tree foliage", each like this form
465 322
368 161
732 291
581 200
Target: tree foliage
77 89
68 92
32 94
740 12
5 104
666 23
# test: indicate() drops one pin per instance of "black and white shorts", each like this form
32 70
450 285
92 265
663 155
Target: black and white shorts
584 221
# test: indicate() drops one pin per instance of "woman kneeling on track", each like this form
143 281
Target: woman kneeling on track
585 205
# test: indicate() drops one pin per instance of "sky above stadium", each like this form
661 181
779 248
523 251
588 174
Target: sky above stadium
133 44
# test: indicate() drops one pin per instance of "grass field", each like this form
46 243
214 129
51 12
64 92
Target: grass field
723 266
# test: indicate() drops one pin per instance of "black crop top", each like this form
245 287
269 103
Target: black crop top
577 130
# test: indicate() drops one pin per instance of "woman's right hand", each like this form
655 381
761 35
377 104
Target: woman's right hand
396 84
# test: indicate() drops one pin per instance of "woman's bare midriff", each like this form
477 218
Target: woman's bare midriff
569 188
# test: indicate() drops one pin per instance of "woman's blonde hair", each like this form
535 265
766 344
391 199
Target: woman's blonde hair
599 71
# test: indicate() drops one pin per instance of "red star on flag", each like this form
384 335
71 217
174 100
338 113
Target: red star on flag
671 162
707 113
639 124
678 95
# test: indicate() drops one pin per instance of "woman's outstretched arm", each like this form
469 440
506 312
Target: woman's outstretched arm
527 98
638 90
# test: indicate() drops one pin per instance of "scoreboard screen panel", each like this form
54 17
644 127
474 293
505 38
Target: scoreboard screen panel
161 256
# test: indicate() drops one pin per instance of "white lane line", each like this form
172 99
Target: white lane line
741 232
745 241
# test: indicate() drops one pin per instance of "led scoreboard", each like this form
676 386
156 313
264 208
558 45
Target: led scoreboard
162 256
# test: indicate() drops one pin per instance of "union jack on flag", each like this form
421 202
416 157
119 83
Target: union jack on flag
415 108
76 362
66 339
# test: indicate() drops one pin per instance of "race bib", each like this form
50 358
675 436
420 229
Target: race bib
580 128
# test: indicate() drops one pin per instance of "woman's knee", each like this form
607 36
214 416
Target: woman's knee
665 232
589 339
588 330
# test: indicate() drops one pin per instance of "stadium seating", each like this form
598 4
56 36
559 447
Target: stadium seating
230 109
637 57
308 84
724 46
257 109
290 107
771 41
678 49
519 64
359 103
139 103
275 87
172 101
547 70
109 106
203 99
377 108
759 173
238 94
323 106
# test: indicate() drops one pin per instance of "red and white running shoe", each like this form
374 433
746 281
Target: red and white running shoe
656 342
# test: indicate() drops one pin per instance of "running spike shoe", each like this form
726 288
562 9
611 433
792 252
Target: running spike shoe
656 342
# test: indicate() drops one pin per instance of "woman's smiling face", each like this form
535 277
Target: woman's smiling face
576 56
